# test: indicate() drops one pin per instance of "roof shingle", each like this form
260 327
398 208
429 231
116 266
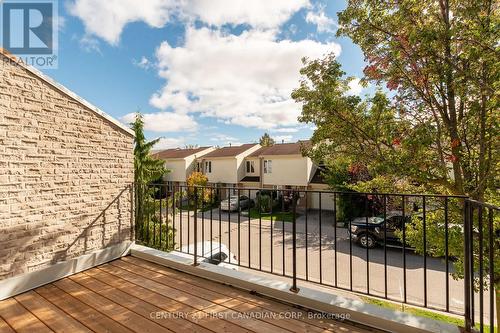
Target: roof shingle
281 149
178 153
229 151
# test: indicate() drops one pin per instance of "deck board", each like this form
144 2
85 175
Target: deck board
109 308
162 302
309 324
231 302
88 316
4 327
133 295
51 315
136 305
20 319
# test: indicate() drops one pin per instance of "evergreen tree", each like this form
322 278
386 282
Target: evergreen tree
266 140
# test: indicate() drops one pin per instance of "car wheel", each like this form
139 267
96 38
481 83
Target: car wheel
367 241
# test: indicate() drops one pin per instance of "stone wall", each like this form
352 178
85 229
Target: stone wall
65 175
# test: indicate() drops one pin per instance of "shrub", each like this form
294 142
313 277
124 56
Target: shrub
264 203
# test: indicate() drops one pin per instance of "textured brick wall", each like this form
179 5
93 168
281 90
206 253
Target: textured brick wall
64 172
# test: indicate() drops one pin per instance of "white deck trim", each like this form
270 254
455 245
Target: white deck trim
67 92
21 283
362 313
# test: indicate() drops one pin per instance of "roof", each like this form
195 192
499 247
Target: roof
318 176
229 151
251 179
178 153
281 149
67 92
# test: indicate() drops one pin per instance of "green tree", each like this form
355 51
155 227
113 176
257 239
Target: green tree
266 140
441 59
147 169
440 62
204 194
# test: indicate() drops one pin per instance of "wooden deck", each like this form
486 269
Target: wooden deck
133 295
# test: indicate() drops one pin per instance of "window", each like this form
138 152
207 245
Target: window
208 166
250 167
198 167
268 166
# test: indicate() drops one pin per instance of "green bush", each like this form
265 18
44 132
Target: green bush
264 203
158 236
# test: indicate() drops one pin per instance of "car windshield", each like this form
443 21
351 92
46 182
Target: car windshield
376 220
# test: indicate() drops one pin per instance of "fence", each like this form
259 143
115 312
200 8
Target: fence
432 251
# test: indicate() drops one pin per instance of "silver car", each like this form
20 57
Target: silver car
231 203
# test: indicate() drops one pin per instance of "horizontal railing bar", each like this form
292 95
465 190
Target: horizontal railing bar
483 204
336 192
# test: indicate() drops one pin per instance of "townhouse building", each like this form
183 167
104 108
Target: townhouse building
283 167
181 163
251 166
225 166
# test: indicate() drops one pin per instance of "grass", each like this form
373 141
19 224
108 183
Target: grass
275 216
421 312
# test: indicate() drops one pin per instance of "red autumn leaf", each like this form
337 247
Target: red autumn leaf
455 143
392 85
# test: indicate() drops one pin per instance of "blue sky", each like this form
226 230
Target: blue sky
203 72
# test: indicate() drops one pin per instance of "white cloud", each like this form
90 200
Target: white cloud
321 20
355 87
225 140
286 130
261 14
219 137
144 63
89 44
107 18
282 138
166 143
244 80
164 121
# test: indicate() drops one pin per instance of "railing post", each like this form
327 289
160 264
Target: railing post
195 263
133 221
467 268
294 244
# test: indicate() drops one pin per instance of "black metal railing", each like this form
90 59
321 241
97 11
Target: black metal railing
481 264
376 244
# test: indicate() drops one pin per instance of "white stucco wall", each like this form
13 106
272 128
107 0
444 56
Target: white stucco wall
287 170
177 169
224 170
311 169
191 160
240 161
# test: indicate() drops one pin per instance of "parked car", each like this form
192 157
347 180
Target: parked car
231 203
214 253
371 234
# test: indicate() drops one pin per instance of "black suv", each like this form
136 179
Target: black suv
368 235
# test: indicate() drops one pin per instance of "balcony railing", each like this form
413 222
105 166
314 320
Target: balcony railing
431 251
